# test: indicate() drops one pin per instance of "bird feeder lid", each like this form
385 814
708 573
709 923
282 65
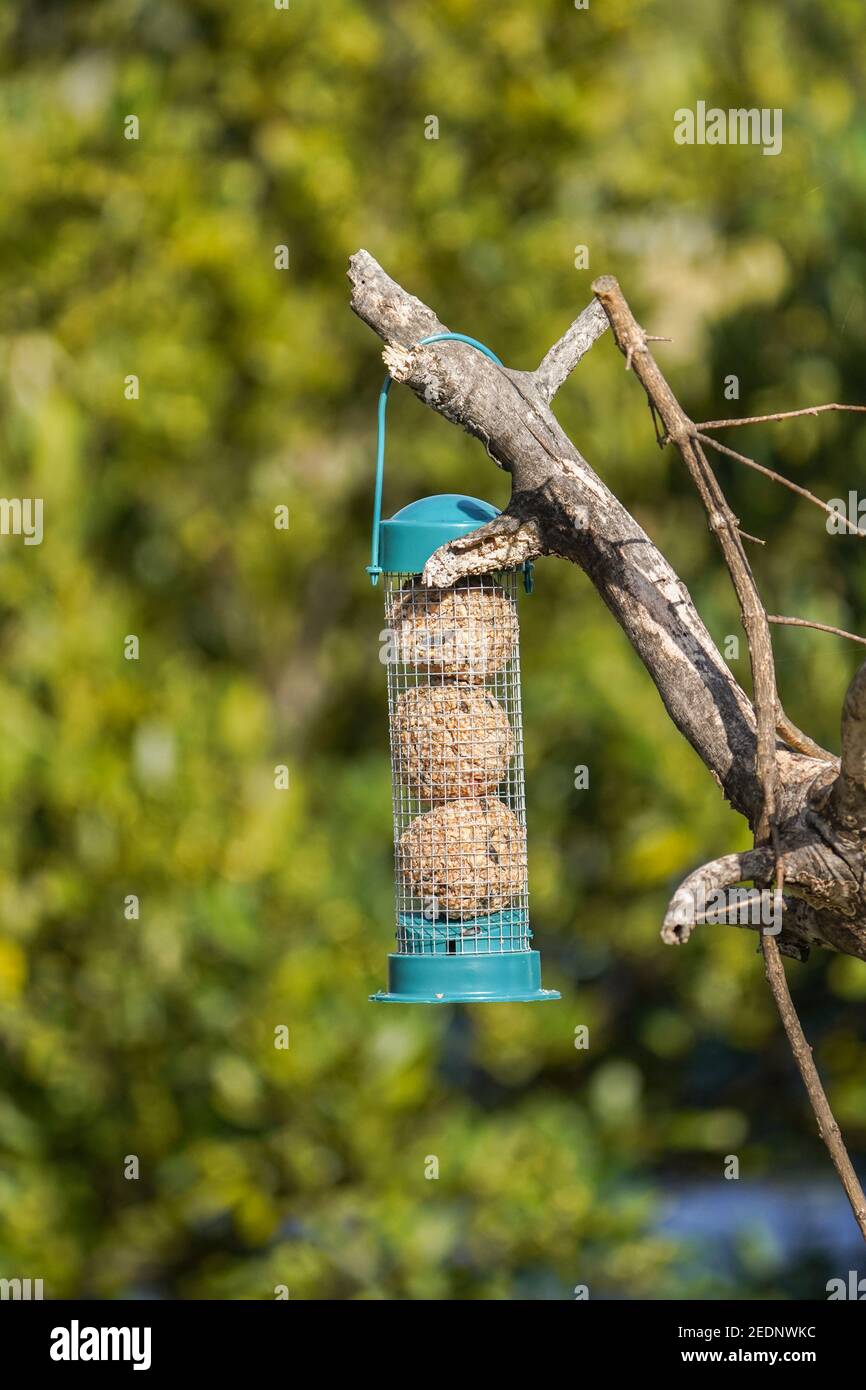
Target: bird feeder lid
410 536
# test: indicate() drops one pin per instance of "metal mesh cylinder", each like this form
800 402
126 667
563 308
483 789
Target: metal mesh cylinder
453 661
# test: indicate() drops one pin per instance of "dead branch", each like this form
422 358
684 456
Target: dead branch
559 506
820 627
684 909
795 738
808 817
764 863
802 1052
777 415
564 356
503 544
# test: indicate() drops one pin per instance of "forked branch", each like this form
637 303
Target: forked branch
766 862
807 815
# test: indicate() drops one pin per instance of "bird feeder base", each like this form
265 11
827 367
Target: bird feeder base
503 978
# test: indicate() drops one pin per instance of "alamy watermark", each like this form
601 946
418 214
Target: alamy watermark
737 126
746 907
853 1287
471 647
21 1289
77 1343
847 515
22 516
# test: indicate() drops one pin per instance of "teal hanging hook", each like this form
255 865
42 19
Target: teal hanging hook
374 569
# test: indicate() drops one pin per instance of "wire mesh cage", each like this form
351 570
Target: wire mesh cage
454 706
457 766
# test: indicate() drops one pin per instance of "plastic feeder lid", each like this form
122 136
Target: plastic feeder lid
410 536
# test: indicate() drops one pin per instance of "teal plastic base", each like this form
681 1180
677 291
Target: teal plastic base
508 977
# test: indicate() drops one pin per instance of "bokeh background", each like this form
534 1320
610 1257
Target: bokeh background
258 908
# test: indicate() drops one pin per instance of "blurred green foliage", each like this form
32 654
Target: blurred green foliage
155 257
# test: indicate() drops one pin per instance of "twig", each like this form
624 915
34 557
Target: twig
778 415
796 739
827 1126
779 478
821 627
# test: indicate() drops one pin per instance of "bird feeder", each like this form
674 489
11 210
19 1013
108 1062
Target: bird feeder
453 664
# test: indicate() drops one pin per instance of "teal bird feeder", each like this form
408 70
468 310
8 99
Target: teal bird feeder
453 663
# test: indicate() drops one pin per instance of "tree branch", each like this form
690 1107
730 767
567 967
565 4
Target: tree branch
564 356
809 824
502 544
685 910
827 1126
795 738
802 924
777 415
764 862
560 507
377 299
820 627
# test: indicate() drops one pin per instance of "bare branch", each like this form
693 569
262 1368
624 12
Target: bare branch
827 1126
502 544
778 478
563 357
801 813
820 627
803 926
795 738
387 308
854 730
682 913
766 860
778 415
